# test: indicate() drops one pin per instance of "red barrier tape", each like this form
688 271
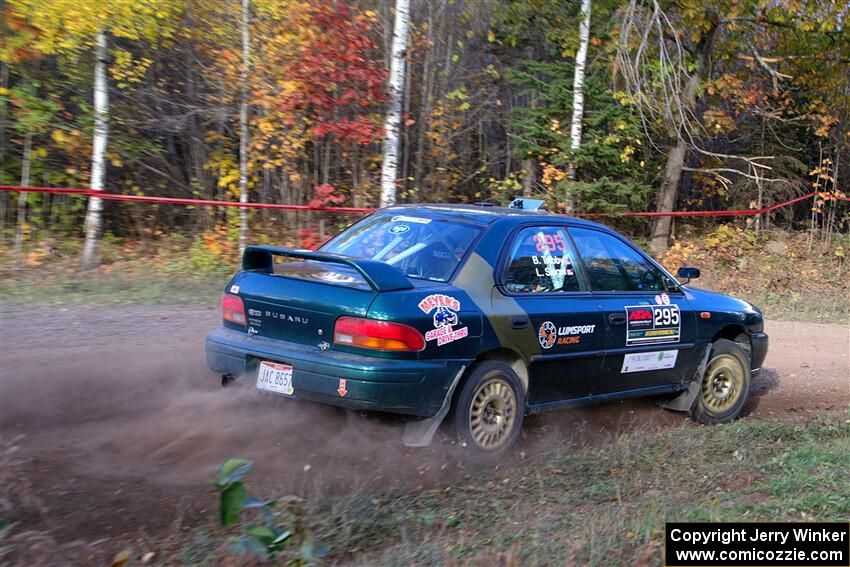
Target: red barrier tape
364 210
175 201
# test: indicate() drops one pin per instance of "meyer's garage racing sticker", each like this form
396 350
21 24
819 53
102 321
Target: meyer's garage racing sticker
444 308
549 334
650 324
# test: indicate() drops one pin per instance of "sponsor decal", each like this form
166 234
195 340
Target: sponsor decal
549 334
643 361
445 335
341 390
335 277
234 288
439 300
417 220
399 229
252 331
662 299
445 308
649 324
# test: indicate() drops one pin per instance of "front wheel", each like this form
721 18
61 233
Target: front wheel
490 408
725 385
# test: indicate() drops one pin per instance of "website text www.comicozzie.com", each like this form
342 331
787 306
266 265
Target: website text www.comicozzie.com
823 544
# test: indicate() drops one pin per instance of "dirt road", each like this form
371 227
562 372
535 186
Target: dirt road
119 426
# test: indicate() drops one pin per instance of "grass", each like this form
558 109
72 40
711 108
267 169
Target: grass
604 505
111 287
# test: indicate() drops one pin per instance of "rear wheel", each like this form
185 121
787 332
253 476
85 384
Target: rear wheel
725 385
490 408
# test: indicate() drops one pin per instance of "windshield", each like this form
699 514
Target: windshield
420 247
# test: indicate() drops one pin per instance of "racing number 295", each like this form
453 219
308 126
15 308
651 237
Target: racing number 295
549 242
666 316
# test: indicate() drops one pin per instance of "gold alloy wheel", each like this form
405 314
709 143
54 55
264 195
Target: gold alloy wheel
723 383
493 413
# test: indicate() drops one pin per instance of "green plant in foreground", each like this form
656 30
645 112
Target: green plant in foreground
264 538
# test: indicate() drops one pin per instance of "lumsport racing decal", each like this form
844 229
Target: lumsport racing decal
548 335
445 317
650 324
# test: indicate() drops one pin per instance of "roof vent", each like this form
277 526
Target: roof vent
526 204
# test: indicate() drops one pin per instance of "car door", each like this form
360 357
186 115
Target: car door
539 276
650 328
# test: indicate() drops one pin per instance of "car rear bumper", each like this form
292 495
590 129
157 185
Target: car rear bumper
759 342
413 387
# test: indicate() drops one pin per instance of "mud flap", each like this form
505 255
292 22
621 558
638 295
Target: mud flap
419 433
685 400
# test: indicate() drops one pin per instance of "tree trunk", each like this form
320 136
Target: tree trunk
22 198
578 97
4 97
529 177
395 90
94 217
243 130
676 159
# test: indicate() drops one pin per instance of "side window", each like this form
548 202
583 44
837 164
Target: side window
541 260
612 265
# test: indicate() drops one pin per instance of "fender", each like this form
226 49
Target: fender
685 400
419 433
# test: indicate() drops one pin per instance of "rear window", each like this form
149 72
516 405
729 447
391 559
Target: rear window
421 247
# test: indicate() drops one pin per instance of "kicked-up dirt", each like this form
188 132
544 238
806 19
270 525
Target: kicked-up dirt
112 426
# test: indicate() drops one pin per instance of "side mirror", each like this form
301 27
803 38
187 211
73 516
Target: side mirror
688 273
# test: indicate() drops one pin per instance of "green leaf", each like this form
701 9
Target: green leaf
254 502
232 470
261 533
232 503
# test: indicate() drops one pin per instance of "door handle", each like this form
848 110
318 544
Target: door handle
519 322
617 318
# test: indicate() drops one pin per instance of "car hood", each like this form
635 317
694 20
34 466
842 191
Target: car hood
704 300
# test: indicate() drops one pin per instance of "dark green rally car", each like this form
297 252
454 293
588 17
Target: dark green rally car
488 313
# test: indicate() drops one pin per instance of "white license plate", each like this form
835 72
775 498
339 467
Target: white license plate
275 377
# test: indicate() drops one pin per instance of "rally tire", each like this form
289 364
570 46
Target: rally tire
725 384
489 409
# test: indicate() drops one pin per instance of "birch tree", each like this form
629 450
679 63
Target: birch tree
578 94
243 128
395 88
94 211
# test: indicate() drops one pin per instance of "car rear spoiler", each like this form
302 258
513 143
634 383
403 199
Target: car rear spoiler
379 275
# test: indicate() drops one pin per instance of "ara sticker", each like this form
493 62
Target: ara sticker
648 324
643 361
662 299
399 229
445 308
549 334
417 220
234 288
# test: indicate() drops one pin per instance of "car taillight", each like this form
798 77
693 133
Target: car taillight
377 335
232 309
